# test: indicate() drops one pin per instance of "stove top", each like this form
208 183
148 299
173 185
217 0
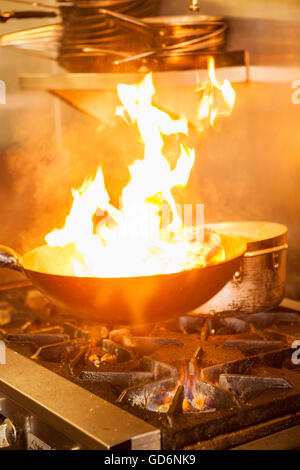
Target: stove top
195 382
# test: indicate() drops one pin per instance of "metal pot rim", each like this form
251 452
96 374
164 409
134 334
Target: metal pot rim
259 235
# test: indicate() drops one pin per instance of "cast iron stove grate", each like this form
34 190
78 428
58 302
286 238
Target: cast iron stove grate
196 378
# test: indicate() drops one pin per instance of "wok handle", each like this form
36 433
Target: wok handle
10 259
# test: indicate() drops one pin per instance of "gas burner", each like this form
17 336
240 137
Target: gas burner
194 378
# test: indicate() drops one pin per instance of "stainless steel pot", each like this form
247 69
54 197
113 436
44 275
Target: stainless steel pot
259 283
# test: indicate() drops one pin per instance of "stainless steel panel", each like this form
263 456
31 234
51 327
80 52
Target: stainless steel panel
76 413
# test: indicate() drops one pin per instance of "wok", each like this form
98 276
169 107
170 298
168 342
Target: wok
129 300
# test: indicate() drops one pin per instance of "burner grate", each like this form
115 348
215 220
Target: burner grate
194 378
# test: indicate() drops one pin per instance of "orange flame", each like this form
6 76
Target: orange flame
217 99
134 239
193 401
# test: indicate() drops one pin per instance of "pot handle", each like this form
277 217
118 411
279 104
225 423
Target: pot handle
266 251
10 259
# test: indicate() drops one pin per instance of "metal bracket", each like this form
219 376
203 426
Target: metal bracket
238 276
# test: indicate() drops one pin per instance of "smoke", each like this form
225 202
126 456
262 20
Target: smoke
31 180
38 169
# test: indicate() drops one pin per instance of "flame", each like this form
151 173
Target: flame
95 360
135 239
193 401
217 99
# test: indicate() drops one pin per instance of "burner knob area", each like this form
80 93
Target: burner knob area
8 433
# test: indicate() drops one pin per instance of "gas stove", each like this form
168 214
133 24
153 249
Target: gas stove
198 382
